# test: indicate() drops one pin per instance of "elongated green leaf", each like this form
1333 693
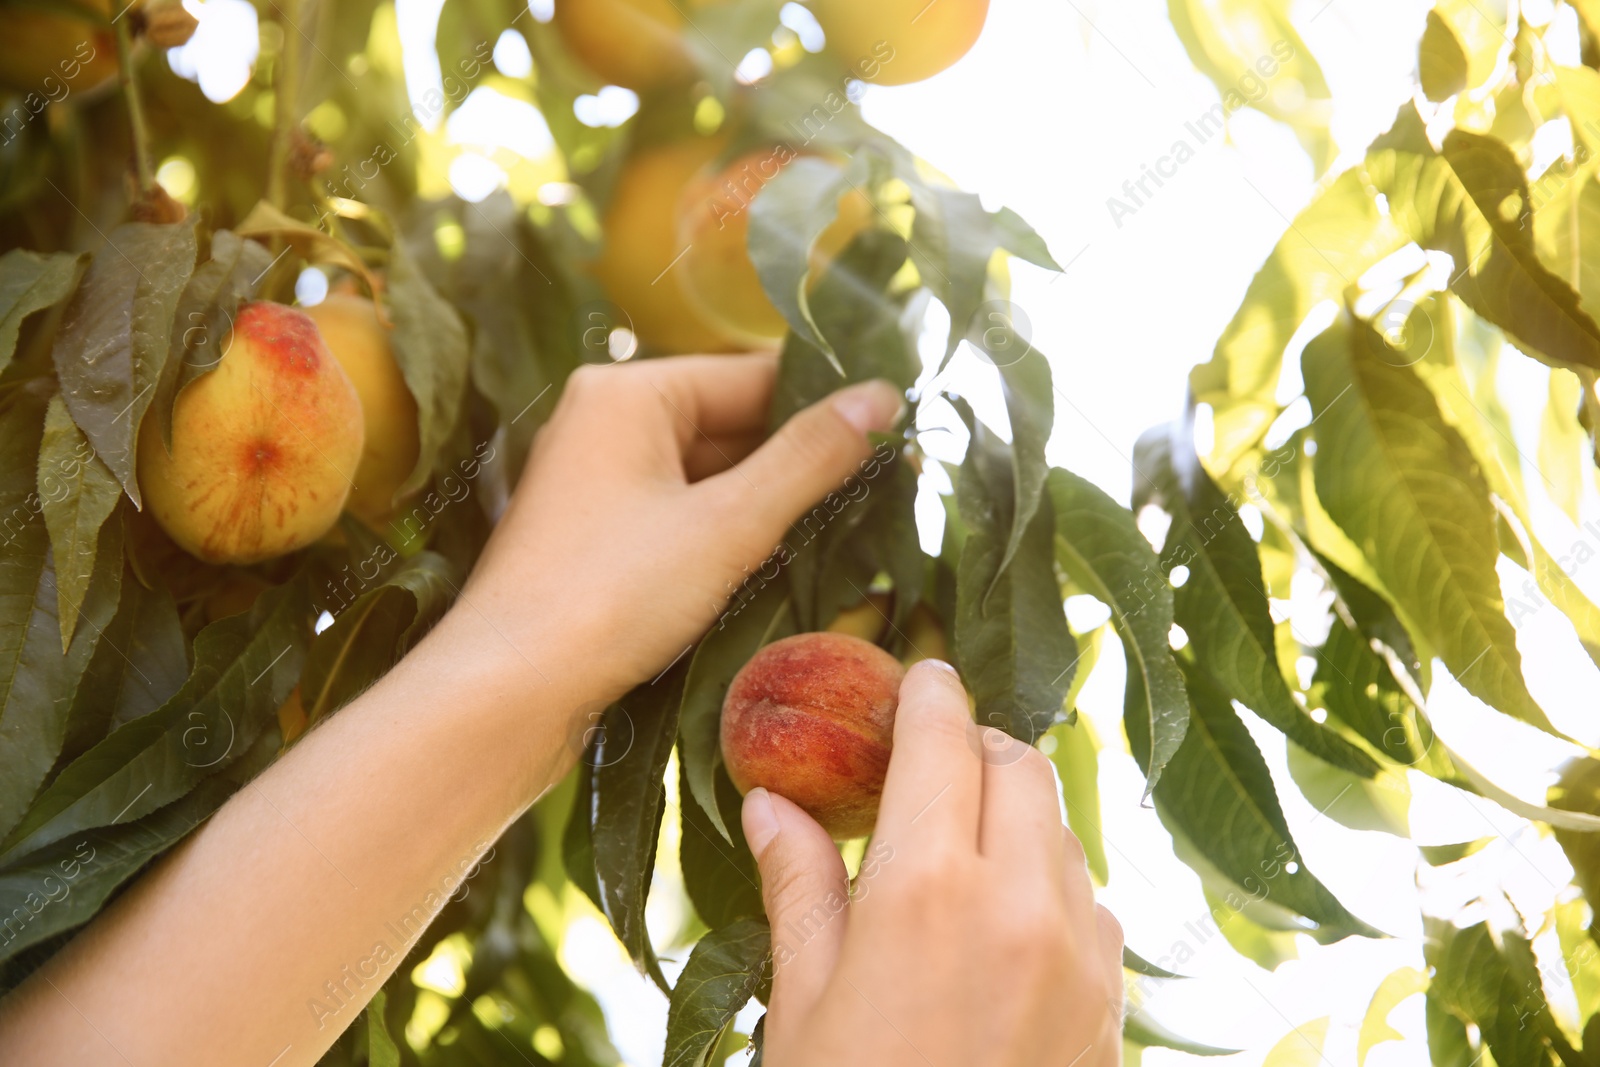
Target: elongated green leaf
1563 456
1300 1047
740 631
1333 241
1380 803
381 1050
31 282
1141 1028
723 973
1470 200
205 315
1027 385
114 339
37 676
1476 982
65 884
718 874
1355 686
1099 545
1218 793
1375 1029
78 494
625 806
245 666
141 660
861 323
1222 605
786 219
1404 486
1015 650
952 240
1441 64
1253 54
430 344
374 631
1077 759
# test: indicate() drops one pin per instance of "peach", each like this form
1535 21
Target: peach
894 42
719 277
811 718
51 55
263 448
639 265
635 43
351 329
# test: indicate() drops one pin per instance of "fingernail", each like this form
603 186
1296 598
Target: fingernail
760 821
868 406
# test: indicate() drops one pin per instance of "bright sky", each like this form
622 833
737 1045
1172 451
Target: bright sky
1055 108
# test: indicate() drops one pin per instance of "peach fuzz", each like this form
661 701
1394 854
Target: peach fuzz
811 718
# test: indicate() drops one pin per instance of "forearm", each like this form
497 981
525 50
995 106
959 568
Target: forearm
278 919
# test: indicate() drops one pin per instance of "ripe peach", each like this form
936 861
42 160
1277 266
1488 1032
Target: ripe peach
263 447
893 42
811 717
54 56
714 226
360 342
636 43
638 266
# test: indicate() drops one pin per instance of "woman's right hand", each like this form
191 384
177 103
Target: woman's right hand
974 937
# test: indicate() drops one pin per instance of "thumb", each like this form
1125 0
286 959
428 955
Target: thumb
807 895
808 457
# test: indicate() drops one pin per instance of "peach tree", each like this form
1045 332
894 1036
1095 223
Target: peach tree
742 202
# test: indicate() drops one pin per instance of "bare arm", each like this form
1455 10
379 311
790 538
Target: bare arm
308 887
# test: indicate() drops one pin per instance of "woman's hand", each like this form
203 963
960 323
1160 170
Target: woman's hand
649 497
974 936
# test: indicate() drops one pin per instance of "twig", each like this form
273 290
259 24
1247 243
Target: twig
136 122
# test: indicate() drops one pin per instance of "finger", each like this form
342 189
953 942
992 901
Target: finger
808 457
1075 877
806 892
713 455
1110 931
715 396
932 791
1020 829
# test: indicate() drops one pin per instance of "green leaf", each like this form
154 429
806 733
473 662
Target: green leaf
1448 1042
113 342
1222 605
741 630
78 493
1012 641
1140 1028
31 282
37 676
723 973
1441 64
719 875
370 635
1399 985
1028 387
1333 241
1267 946
626 802
83 870
1300 1047
1470 200
245 666
861 324
1136 963
1380 803
1494 988
205 315
313 245
1100 547
381 1050
1355 686
1253 54
1563 456
1218 793
1076 756
141 660
786 219
430 344
952 241
1405 488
